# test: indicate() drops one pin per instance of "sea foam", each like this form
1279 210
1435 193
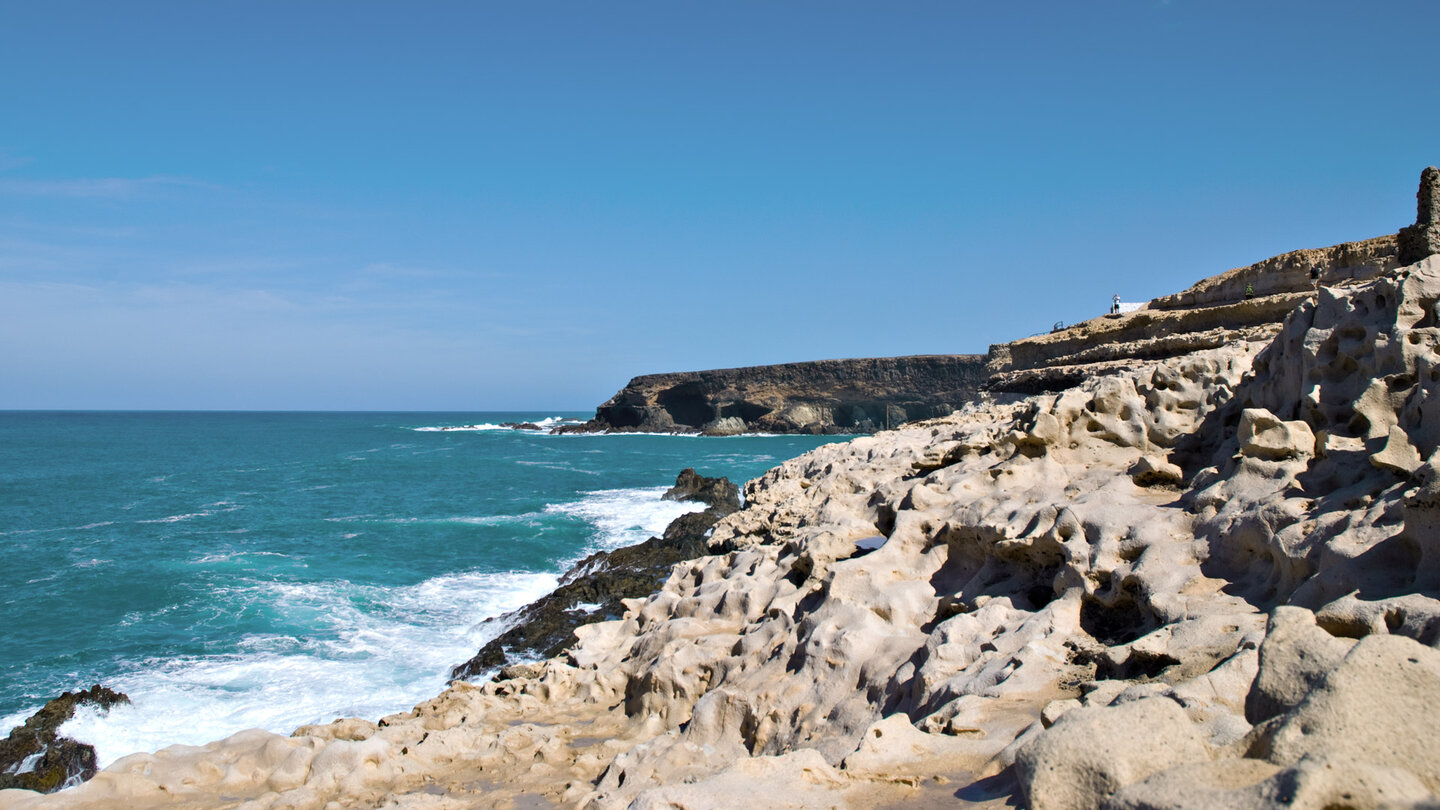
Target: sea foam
376 651
372 650
546 424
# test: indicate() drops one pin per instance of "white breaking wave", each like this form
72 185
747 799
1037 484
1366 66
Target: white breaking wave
624 517
545 425
384 658
217 508
374 650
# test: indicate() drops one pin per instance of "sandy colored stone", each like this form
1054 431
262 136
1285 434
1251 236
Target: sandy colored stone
1380 705
1296 655
1090 753
1262 435
1248 784
1398 455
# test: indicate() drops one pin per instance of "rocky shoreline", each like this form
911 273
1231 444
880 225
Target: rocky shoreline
595 589
1199 566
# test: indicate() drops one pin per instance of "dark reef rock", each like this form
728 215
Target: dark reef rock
717 493
820 397
592 591
36 757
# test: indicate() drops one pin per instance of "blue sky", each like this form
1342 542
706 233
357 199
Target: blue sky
360 205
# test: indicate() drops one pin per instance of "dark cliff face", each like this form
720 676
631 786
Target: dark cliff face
825 396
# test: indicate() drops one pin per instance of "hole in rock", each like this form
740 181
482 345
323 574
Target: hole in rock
1040 596
1139 664
1394 618
1119 623
1358 425
885 519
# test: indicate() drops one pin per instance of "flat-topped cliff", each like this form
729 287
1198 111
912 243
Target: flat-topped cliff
824 396
1246 303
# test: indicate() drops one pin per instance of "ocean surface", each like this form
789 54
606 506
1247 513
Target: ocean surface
242 570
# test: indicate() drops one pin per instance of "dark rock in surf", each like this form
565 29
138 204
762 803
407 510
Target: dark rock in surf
717 493
592 591
35 756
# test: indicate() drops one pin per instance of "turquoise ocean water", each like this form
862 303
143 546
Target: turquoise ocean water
240 570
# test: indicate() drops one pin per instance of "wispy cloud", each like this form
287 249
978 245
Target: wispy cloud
390 270
9 160
239 266
112 188
65 231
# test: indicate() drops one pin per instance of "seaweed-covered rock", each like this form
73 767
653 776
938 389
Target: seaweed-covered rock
593 590
35 756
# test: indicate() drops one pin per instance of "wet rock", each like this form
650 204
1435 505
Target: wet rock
595 588
35 756
718 493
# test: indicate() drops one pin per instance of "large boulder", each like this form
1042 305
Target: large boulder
1380 706
1296 655
1090 753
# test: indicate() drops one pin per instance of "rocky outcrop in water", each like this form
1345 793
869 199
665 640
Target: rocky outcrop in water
35 756
597 587
825 396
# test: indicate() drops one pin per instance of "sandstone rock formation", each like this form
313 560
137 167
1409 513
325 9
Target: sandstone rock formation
1208 578
1247 303
826 396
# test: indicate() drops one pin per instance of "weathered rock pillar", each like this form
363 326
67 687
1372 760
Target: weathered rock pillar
1423 238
